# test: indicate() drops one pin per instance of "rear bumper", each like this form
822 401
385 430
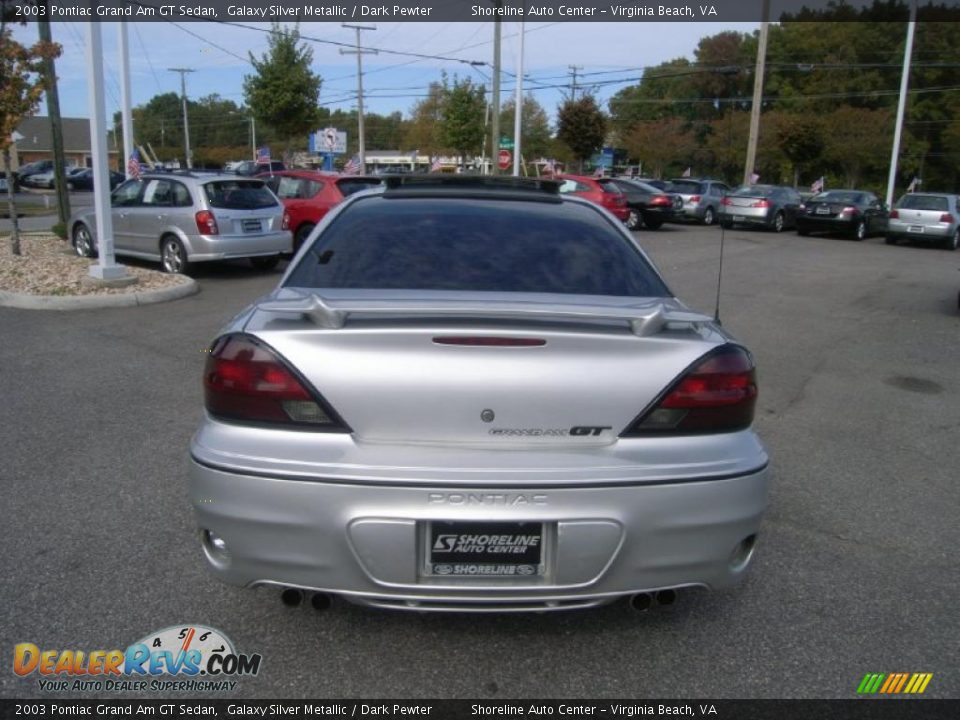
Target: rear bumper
366 542
203 248
827 224
747 216
929 233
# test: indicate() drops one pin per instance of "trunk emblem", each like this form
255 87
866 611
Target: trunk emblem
487 415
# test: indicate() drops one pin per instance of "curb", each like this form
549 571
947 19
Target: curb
87 302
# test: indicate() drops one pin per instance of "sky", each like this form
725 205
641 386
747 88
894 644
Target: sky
218 54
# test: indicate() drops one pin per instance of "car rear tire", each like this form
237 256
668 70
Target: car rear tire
860 231
633 220
952 242
265 263
708 216
652 223
173 256
82 241
303 232
777 225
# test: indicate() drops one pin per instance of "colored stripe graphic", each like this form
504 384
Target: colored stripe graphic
894 683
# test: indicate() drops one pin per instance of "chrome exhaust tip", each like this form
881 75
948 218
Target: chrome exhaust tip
291 597
641 602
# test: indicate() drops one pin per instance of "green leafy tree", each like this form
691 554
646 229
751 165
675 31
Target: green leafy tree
21 89
534 126
424 132
284 91
582 127
462 111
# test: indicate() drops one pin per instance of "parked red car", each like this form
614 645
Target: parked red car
602 191
308 195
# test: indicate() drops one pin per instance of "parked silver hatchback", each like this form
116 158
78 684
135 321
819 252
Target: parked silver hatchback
925 217
185 218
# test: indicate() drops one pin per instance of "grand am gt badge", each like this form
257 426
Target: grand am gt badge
575 431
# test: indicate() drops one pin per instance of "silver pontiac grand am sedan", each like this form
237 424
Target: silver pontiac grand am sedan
475 394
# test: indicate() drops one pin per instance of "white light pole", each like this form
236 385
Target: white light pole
902 105
127 114
518 109
106 267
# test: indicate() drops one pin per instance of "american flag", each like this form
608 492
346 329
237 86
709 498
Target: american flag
753 178
353 166
263 155
133 165
435 166
817 185
687 172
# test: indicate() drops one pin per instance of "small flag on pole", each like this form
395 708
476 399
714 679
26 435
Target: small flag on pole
435 166
263 154
912 187
817 186
753 178
687 172
133 165
353 166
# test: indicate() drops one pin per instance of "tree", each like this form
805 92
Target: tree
284 92
663 147
424 131
582 127
21 88
462 111
534 126
800 139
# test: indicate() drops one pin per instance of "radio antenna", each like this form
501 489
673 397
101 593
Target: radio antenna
726 71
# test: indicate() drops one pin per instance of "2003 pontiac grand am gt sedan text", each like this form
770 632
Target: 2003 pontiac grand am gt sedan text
476 394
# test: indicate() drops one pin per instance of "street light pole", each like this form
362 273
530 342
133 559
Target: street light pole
518 109
755 107
902 104
126 112
186 126
360 52
495 98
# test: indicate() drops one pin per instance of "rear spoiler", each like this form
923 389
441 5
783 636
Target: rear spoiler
644 321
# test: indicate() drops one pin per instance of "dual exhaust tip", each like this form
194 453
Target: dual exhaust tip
641 602
294 597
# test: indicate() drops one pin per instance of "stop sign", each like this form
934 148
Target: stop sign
504 159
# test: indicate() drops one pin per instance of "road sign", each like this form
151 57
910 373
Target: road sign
504 159
328 140
506 143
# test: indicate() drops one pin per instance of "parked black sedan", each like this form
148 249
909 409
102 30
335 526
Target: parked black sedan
856 213
647 203
82 179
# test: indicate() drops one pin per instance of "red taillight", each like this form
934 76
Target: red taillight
718 395
246 381
894 214
661 200
694 198
946 217
207 223
285 223
849 210
725 201
609 199
761 204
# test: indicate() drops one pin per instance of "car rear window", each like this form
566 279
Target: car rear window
348 186
839 196
753 191
239 194
476 245
609 186
923 202
686 187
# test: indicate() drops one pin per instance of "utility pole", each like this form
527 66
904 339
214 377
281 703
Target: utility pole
573 83
757 94
253 137
126 112
56 125
518 109
495 97
902 104
360 52
186 126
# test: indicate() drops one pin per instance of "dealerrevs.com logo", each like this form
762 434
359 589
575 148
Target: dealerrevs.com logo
177 658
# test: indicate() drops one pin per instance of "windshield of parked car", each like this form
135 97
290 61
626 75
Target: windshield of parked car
839 196
923 202
239 194
685 187
476 245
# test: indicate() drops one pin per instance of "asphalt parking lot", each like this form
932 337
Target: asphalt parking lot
857 570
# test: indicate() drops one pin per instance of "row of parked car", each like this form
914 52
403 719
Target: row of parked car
916 217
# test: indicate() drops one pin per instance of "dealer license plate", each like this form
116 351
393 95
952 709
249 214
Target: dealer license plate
251 226
484 549
823 211
738 218
915 229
